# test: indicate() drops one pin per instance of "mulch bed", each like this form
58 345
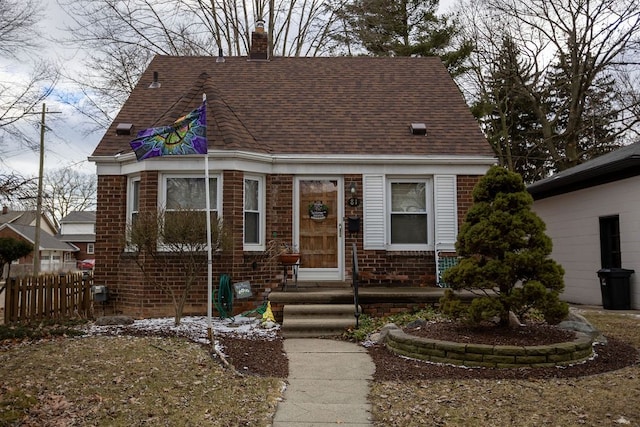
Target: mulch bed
267 358
616 354
257 357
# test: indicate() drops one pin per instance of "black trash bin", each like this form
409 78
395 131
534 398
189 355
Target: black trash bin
614 285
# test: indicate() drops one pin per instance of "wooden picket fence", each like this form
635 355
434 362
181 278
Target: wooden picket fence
51 296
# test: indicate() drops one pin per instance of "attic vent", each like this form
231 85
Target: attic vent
418 129
124 128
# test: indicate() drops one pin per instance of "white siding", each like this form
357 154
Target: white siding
78 228
373 211
446 211
573 224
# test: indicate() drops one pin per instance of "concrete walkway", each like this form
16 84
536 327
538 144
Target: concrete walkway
328 384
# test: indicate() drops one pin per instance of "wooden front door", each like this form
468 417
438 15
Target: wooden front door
318 213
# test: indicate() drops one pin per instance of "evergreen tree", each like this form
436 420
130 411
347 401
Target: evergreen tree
507 118
399 28
510 117
505 255
11 250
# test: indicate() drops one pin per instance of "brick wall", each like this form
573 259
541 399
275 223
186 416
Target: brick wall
466 183
130 294
382 268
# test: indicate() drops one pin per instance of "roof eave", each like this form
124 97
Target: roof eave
610 172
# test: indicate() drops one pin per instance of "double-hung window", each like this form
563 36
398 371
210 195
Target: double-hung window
184 201
410 214
189 193
254 221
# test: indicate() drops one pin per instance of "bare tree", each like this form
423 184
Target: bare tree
65 190
68 190
19 99
19 37
120 38
14 187
109 76
18 32
570 55
162 242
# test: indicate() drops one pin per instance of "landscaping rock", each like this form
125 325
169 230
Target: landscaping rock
576 322
418 323
385 331
375 337
514 322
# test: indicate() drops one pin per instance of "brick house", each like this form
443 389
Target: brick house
387 145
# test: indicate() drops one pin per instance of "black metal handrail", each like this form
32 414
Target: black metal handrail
354 278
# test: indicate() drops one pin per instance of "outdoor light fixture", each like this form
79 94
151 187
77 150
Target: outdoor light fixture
353 189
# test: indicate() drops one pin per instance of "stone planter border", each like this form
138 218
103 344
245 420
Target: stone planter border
489 356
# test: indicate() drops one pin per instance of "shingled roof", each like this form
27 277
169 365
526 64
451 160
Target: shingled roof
617 165
327 105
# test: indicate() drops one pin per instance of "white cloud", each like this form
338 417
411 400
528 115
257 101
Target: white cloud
66 139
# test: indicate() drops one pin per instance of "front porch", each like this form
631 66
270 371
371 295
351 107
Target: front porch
373 301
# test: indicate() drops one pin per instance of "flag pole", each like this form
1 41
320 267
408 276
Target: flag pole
209 251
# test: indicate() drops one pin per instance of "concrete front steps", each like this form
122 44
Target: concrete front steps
317 320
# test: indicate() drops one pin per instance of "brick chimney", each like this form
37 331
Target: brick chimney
259 43
5 210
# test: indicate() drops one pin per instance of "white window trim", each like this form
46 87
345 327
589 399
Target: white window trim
130 198
162 186
261 245
91 248
428 180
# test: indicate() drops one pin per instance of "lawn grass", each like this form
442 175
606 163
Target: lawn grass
126 381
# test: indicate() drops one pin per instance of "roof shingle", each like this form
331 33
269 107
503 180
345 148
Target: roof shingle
324 105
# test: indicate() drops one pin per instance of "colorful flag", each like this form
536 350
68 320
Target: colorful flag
187 135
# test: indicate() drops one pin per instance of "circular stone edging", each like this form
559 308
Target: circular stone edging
489 356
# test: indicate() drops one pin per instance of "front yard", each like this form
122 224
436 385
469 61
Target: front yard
156 378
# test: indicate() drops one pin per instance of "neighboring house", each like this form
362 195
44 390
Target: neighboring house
54 254
387 145
78 228
591 212
9 216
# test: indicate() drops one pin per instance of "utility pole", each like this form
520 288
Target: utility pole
36 243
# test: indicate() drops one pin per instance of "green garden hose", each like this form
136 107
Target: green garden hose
223 298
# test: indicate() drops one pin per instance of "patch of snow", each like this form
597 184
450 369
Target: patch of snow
195 328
